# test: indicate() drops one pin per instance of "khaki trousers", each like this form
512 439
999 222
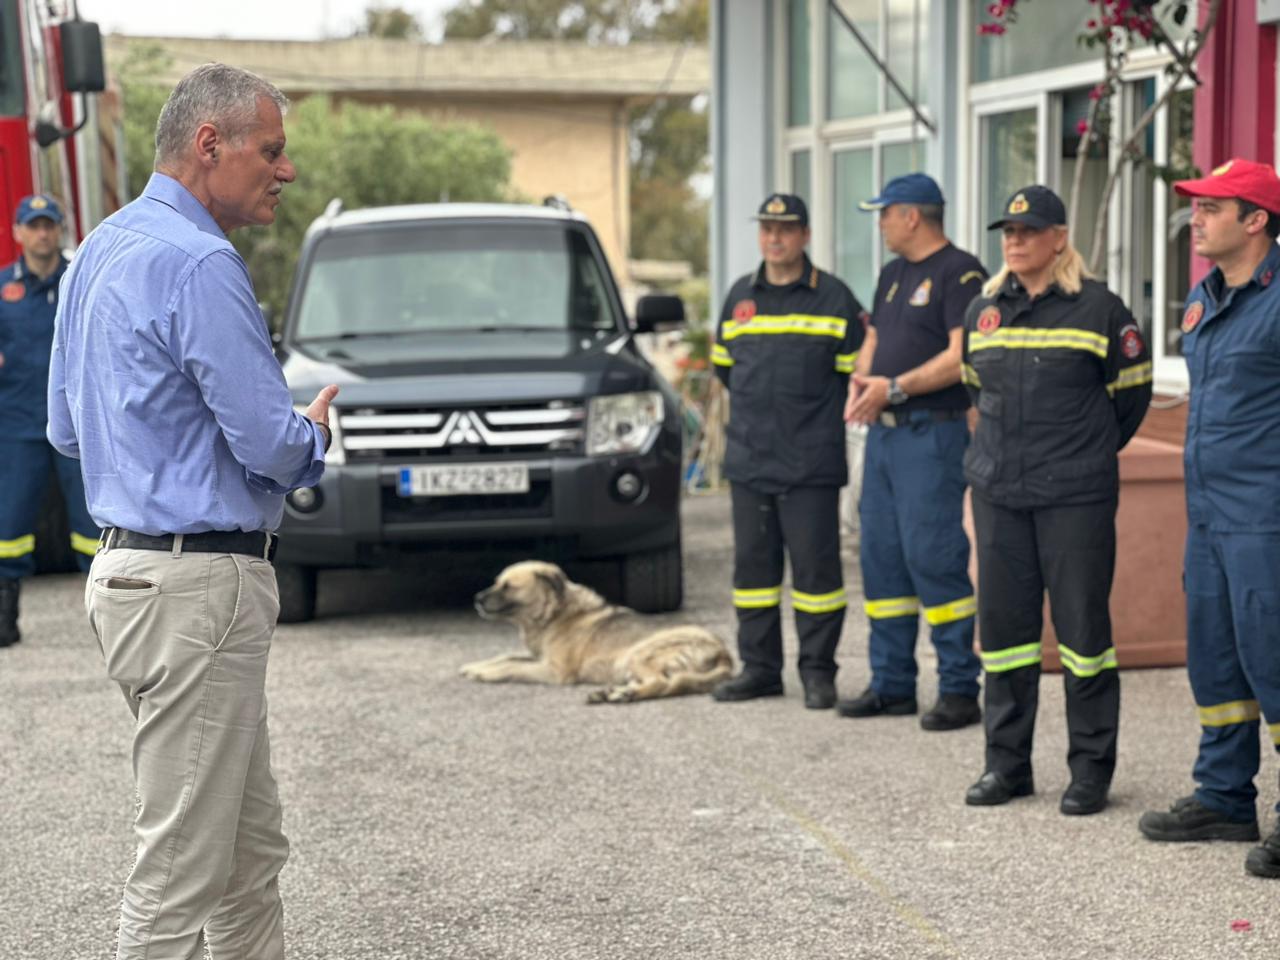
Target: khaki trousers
186 636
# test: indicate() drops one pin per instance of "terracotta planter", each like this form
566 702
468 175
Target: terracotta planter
1148 611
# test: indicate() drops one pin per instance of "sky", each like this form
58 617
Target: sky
248 19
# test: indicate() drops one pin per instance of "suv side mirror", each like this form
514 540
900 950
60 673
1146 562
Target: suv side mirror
659 311
82 70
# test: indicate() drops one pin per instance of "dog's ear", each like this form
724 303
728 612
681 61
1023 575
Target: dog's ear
556 580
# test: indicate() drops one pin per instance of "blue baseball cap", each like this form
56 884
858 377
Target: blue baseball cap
36 206
910 188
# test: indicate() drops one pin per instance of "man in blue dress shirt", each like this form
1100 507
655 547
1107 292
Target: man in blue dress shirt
164 385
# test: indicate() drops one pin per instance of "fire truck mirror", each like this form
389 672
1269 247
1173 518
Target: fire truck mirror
82 70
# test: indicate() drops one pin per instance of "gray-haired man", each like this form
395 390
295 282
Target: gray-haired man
163 384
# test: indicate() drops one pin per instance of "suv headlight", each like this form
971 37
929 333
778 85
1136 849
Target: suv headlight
336 456
623 422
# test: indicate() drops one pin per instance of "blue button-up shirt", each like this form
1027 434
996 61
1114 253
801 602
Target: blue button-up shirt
163 381
1231 339
27 306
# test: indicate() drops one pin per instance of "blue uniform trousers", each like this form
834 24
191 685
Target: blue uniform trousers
1233 659
805 522
24 477
915 554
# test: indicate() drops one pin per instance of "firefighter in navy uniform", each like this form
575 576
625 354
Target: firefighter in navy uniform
1231 339
915 553
1061 378
28 302
786 342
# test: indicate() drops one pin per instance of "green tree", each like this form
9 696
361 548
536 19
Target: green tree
143 95
368 156
390 23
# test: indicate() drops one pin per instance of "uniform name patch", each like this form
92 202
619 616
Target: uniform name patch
989 319
920 297
13 292
1131 341
744 310
1192 316
888 297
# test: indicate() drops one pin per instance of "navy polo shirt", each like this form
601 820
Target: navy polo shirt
916 307
27 308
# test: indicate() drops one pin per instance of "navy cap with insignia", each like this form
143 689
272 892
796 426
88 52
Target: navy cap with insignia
1036 206
911 188
36 206
784 208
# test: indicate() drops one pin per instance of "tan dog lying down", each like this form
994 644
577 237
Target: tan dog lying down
574 636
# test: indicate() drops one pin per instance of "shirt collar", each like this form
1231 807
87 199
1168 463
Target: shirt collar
808 276
1266 273
1013 289
173 194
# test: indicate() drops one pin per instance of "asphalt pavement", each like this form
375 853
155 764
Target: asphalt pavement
433 817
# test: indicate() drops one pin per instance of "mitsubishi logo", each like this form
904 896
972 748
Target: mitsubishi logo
463 427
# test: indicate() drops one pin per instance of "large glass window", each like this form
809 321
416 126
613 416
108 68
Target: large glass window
906 42
798 98
1075 108
855 230
1043 37
853 80
1177 227
802 175
1008 162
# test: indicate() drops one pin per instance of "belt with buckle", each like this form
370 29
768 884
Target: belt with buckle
259 543
900 418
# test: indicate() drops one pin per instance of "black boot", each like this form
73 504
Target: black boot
1189 820
1264 861
746 686
9 634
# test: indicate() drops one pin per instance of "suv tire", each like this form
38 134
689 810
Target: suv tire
297 587
653 582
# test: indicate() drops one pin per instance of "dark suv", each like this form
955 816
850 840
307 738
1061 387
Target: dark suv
492 399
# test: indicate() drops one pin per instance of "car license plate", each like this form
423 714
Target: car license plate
464 479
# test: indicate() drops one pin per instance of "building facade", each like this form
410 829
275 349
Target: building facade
831 98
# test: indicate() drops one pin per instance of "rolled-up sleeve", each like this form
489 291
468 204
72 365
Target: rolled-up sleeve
219 339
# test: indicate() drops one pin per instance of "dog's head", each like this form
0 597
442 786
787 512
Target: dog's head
529 592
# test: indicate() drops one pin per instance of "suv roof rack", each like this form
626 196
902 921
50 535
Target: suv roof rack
557 201
333 209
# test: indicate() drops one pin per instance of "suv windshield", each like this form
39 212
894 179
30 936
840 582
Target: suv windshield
452 277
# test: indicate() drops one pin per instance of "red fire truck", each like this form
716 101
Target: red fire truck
51 142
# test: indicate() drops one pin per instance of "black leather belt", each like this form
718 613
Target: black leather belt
256 544
900 418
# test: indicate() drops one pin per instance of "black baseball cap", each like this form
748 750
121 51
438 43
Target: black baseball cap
784 208
1036 206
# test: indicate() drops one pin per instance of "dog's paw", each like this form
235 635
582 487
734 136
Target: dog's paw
620 694
472 671
598 696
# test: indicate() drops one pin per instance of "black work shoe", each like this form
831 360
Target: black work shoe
992 789
819 693
1189 819
1264 861
1084 797
746 686
9 634
871 704
952 712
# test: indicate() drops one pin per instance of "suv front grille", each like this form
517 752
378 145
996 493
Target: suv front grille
438 433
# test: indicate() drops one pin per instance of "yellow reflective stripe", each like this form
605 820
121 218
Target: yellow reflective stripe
1274 729
969 376
761 597
819 602
1011 658
720 356
17 548
801 323
82 544
1225 714
1134 376
846 361
1024 338
892 607
1083 666
951 612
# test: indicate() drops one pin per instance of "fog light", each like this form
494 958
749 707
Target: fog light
305 499
628 486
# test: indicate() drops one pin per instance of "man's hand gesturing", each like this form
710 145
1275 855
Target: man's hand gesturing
319 410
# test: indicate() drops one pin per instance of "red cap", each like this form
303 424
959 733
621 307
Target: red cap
1238 179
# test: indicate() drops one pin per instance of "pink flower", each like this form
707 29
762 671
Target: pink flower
991 29
1082 127
1097 92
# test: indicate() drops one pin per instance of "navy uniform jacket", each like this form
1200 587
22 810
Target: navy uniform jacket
786 353
1231 340
27 308
1061 384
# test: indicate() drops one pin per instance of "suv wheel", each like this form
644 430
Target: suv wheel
297 586
653 582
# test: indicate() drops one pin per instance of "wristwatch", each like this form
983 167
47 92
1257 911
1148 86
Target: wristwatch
896 394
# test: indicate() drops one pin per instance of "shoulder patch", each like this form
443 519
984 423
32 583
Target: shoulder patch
920 297
971 275
988 319
744 310
13 291
1131 341
1192 316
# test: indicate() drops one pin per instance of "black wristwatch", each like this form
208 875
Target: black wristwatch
896 394
328 435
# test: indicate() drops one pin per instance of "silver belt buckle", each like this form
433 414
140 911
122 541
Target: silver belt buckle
888 418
